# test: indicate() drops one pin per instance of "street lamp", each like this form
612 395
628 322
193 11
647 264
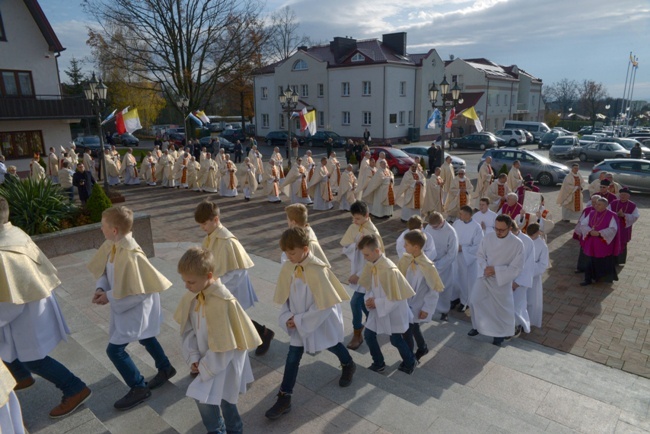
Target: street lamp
446 97
289 101
183 104
95 92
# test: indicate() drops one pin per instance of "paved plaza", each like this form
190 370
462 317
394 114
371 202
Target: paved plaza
587 370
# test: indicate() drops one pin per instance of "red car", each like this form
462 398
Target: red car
398 161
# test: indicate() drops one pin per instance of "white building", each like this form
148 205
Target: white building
33 114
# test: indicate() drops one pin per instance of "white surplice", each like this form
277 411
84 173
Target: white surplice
487 218
239 284
425 298
469 236
445 240
525 282
535 296
388 317
429 248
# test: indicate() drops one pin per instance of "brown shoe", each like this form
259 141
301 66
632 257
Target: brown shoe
357 339
267 337
25 383
70 403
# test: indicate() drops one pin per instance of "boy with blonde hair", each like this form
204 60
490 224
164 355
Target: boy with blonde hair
423 277
311 297
216 336
127 280
232 264
297 217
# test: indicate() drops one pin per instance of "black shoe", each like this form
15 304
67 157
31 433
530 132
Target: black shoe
579 271
497 341
133 398
444 317
347 374
472 332
377 368
281 406
454 303
161 377
407 369
267 337
585 283
518 331
462 307
421 352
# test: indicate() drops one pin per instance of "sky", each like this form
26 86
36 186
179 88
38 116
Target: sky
550 39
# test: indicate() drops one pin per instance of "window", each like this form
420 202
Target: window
392 118
505 99
533 101
498 98
410 117
345 88
265 93
366 88
3 36
458 79
402 88
321 119
345 118
489 100
300 65
304 90
265 120
401 118
367 118
281 123
321 90
21 144
358 58
16 83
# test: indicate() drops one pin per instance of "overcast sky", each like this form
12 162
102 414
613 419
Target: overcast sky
551 39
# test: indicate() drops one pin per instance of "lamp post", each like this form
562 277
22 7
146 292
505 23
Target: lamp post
183 104
289 102
95 92
446 97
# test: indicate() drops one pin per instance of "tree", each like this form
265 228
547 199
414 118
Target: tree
183 46
284 40
592 96
74 86
564 93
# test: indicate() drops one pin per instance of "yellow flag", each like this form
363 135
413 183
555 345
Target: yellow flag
470 113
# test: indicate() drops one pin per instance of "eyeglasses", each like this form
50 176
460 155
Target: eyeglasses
500 230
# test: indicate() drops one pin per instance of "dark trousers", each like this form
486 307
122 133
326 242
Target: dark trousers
49 369
238 157
125 365
396 340
414 333
293 363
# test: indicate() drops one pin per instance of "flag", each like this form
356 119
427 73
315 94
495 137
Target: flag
195 119
127 121
450 118
470 113
109 117
294 115
201 115
432 122
308 121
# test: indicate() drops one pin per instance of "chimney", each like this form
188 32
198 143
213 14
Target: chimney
396 42
342 46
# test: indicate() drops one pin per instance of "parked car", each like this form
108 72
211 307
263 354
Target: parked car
588 139
548 139
628 144
232 135
500 142
564 130
223 143
478 140
89 142
565 147
512 137
599 151
398 161
586 130
421 151
126 139
543 170
320 137
176 138
530 138
631 173
279 138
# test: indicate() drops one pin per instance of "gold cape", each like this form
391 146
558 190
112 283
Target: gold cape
228 252
323 284
7 384
314 246
229 327
366 229
391 279
134 274
26 274
427 268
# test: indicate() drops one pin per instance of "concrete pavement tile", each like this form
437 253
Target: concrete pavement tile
456 366
518 390
141 419
93 426
626 428
343 419
578 411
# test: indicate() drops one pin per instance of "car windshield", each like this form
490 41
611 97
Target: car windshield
91 140
397 153
542 159
333 135
628 144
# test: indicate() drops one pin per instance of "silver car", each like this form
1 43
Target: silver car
628 172
602 150
543 170
421 151
564 147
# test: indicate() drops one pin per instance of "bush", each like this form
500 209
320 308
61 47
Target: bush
504 169
97 203
37 207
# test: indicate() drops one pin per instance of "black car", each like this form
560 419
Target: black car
320 137
125 139
232 135
223 143
89 142
548 139
479 140
279 138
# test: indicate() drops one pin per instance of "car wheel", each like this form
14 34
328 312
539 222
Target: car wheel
395 171
454 145
583 157
545 179
482 147
513 143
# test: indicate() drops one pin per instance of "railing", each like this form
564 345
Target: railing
44 107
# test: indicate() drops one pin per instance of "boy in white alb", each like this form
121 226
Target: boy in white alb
297 216
421 274
216 336
387 294
127 280
311 297
523 282
11 418
469 235
535 296
413 223
485 216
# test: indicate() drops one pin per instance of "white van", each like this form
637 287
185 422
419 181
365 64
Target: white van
537 129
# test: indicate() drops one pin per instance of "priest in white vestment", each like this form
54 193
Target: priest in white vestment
523 283
445 241
379 193
469 235
413 187
485 217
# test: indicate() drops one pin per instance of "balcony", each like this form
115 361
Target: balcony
522 108
44 107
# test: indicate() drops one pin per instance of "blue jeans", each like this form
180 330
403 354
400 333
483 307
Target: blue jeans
230 422
49 369
125 365
358 307
293 363
396 340
412 333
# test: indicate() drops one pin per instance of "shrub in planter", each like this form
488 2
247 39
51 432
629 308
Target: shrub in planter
37 207
504 169
97 203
